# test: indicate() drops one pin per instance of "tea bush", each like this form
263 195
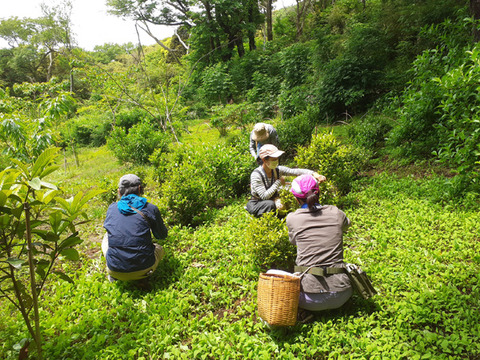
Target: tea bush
139 143
340 163
370 132
88 130
195 179
296 131
267 239
233 116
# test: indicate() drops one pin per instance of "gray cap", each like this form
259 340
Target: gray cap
129 180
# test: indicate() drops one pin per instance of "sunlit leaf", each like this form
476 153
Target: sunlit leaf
63 276
35 183
70 254
16 263
43 160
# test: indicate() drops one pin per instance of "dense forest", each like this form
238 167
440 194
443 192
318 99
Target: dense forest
380 96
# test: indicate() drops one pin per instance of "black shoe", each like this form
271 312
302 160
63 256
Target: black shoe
304 316
143 284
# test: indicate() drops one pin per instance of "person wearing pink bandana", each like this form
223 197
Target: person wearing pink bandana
317 231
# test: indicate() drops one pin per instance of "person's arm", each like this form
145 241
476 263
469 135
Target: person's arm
346 222
259 189
274 137
159 230
286 171
253 147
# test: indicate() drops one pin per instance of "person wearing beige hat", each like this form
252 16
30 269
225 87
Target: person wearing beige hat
262 134
267 179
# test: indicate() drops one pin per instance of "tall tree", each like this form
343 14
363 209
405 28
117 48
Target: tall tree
45 38
475 11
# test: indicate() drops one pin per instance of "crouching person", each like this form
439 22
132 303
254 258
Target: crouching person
130 223
317 231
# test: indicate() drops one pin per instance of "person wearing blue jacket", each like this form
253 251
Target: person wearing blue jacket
130 223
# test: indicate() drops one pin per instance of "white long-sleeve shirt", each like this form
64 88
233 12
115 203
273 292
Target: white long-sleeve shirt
262 187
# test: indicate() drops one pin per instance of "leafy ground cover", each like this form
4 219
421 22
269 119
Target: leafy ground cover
422 256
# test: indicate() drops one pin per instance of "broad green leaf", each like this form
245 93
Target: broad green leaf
63 276
55 220
70 241
16 263
17 212
35 183
70 254
22 167
47 196
49 170
45 158
48 185
4 221
3 198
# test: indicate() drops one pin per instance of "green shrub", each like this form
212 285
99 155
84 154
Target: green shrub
233 116
369 132
296 64
296 100
415 134
216 84
296 131
88 131
139 143
340 163
267 239
126 118
196 179
458 126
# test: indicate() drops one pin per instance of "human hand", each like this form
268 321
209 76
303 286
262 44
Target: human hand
282 180
318 177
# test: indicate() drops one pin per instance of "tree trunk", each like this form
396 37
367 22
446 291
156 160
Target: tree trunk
239 43
269 20
475 11
251 33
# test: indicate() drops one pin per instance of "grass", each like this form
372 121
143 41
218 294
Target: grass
423 258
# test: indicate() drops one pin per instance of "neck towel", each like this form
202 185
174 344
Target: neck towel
131 200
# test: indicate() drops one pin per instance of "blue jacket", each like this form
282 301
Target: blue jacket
130 246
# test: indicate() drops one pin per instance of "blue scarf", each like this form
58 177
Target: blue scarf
133 200
305 206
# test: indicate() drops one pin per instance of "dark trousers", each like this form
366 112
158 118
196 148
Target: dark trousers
259 207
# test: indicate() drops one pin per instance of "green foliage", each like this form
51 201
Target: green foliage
216 84
415 134
23 138
340 163
195 179
139 143
38 227
459 125
233 116
267 240
296 130
88 130
264 91
127 117
296 64
369 132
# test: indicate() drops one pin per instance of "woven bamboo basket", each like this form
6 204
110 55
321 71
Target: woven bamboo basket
278 299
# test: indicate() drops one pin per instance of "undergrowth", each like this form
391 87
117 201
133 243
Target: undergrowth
422 255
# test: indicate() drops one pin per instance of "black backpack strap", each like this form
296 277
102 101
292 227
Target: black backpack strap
320 270
147 219
263 178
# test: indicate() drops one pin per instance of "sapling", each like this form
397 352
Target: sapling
37 227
